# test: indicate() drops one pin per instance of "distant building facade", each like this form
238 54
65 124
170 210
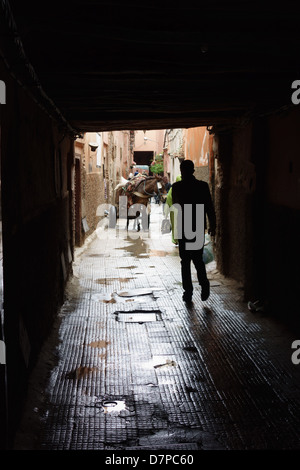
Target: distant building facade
101 159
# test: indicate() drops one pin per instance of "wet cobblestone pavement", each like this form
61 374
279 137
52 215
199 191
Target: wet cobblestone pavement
130 366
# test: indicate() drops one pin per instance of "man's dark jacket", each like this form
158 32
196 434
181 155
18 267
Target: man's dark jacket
192 191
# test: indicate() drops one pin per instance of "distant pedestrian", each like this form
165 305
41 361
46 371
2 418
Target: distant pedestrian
191 196
167 183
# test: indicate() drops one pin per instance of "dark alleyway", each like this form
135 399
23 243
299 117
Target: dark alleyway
211 376
130 367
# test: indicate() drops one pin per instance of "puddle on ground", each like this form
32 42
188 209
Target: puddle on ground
181 436
135 292
127 267
141 295
137 247
158 253
139 292
98 255
104 281
111 279
81 372
113 406
98 344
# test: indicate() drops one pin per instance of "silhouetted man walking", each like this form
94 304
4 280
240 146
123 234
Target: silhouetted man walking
194 204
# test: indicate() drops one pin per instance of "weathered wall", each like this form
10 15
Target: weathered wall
174 151
36 158
196 146
154 142
223 154
240 181
94 194
89 184
202 173
97 174
257 203
283 216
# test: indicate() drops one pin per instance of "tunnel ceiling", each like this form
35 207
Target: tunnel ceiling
137 65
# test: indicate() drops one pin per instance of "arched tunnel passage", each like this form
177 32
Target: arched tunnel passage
215 374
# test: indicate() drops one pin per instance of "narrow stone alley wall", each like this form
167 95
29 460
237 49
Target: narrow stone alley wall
282 221
89 185
257 204
197 148
36 158
99 170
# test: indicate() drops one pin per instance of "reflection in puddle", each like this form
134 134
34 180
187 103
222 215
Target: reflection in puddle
112 406
98 255
113 298
137 247
193 439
